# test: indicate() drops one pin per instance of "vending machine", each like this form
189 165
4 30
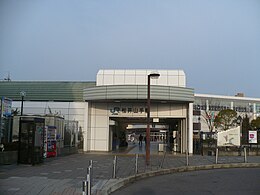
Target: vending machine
50 142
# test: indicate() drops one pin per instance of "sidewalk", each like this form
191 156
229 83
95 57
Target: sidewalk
64 175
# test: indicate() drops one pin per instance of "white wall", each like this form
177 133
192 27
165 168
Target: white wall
139 77
98 137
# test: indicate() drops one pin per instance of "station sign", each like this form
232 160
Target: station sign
127 110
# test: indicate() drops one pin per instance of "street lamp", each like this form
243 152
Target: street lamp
22 94
147 150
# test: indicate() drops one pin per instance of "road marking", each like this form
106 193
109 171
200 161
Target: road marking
13 189
56 172
80 168
14 177
68 170
80 177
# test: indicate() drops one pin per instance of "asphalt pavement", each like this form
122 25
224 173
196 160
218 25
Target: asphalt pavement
236 181
64 175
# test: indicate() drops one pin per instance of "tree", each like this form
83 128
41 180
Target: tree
209 118
15 112
255 124
245 128
225 119
208 115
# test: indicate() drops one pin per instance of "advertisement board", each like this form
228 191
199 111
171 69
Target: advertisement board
252 137
230 137
6 106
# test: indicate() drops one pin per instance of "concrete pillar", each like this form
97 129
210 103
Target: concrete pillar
182 135
254 111
85 130
190 128
232 105
207 105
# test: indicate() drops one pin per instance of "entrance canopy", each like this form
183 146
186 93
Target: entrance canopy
120 98
138 92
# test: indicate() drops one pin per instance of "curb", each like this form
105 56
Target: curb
116 184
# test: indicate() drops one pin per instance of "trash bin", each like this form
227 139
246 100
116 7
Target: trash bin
161 148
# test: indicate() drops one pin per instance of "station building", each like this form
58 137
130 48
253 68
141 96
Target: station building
206 105
116 103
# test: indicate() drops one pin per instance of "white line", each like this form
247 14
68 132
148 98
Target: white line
13 189
80 177
56 172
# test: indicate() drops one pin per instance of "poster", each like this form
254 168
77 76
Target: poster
252 137
6 106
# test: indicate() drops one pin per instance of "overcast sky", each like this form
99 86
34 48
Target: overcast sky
216 43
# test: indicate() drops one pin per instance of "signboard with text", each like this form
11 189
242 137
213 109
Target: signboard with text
127 110
252 137
230 137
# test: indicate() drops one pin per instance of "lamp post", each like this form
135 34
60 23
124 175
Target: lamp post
22 94
147 149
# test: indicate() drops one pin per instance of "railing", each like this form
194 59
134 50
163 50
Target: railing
122 166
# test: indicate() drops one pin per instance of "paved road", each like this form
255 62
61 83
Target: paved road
64 175
222 181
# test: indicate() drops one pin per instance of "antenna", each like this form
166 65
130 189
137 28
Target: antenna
50 112
8 77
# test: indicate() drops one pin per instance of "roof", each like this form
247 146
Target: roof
234 98
45 90
138 93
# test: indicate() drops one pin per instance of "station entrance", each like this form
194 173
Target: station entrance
125 133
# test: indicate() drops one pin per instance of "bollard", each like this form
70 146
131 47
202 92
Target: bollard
91 163
89 180
187 158
91 171
245 154
136 163
84 187
114 167
217 156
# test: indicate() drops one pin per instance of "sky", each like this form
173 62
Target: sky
216 42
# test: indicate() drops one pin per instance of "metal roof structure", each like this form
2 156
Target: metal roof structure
66 91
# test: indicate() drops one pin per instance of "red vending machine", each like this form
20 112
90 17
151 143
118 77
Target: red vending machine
50 142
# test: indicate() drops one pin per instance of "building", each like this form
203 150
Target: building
206 105
117 102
